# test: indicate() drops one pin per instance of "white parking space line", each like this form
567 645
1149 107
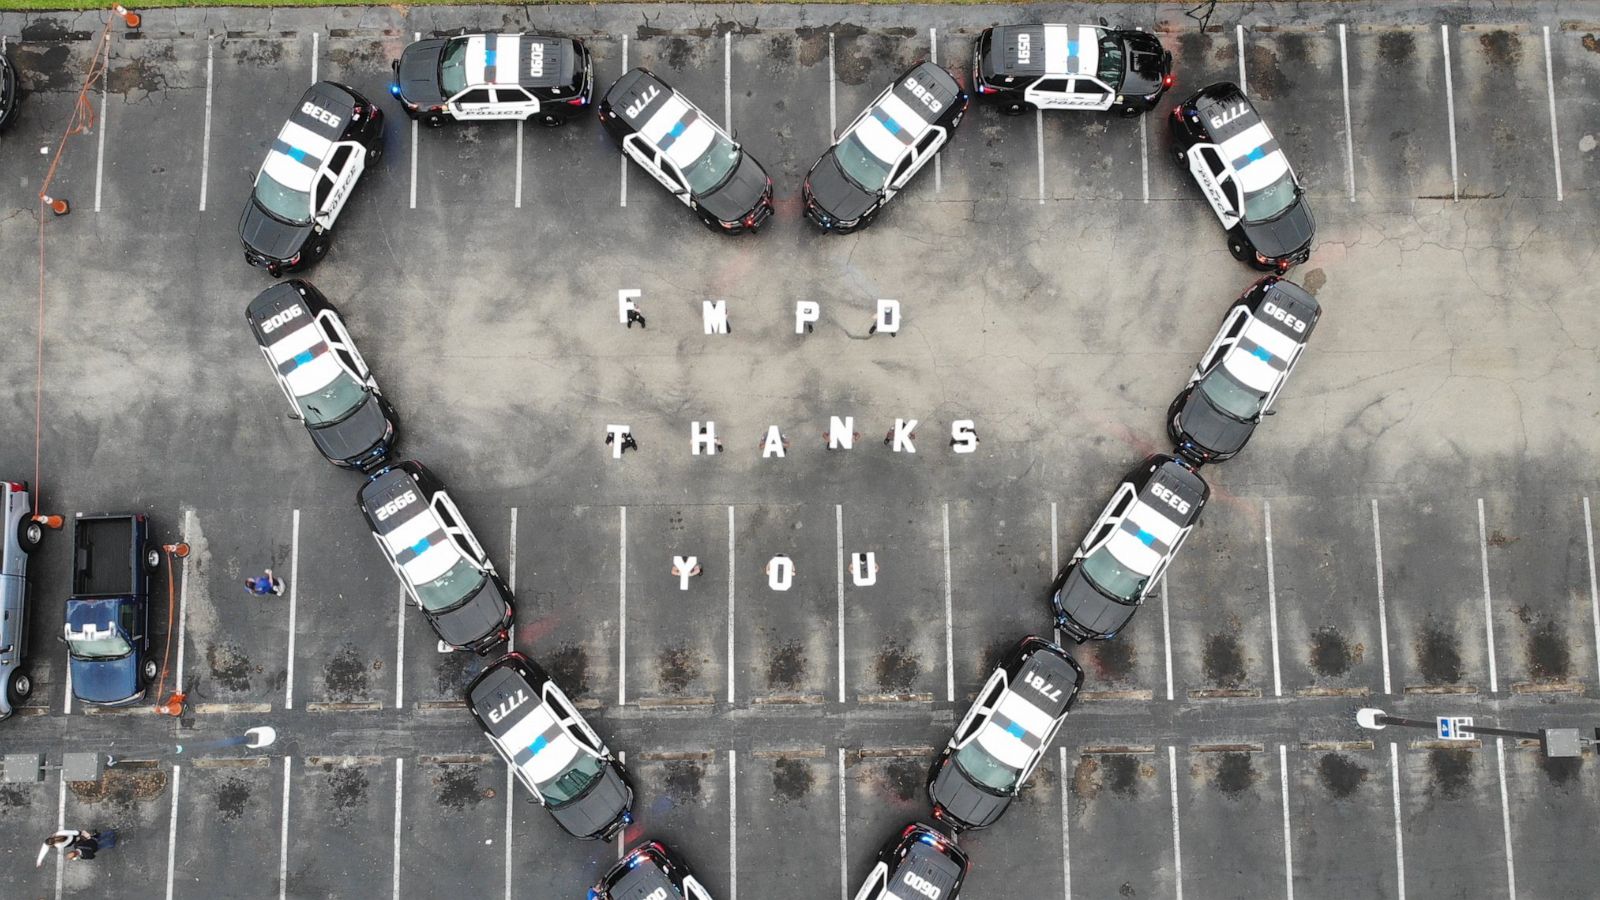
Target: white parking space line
838 534
315 37
66 702
1177 841
294 605
622 607
1488 606
400 654
833 96
727 81
624 156
1144 157
183 594
511 554
205 135
1055 561
1166 631
1038 122
61 822
1383 612
399 786
1505 820
283 834
1272 601
1288 842
733 825
949 620
1555 138
1399 836
172 825
510 804
518 202
1594 594
1450 104
938 165
844 850
622 757
1349 139
730 605
1238 34
100 138
1066 845
417 36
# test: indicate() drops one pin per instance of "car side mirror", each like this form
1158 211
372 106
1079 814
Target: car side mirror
1270 412
295 417
1103 24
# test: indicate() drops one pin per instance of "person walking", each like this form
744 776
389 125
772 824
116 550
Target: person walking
264 584
79 844
635 316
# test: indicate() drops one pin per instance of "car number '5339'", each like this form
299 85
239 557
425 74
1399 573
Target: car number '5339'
395 505
318 113
1172 499
1044 687
927 98
921 885
1278 312
272 324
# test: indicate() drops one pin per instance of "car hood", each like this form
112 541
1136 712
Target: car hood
1091 610
835 194
596 811
268 236
1147 63
741 194
418 73
1204 424
474 620
961 800
356 435
105 680
1285 234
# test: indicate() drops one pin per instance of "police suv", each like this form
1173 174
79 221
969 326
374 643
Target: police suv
8 90
1241 373
554 752
919 864
1004 735
436 556
475 77
317 366
898 134
310 170
1228 150
1023 67
1128 549
650 872
690 155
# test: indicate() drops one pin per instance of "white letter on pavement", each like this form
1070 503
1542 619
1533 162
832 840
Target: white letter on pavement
780 573
888 316
616 432
703 439
684 567
902 435
964 433
841 434
864 569
773 445
805 311
715 313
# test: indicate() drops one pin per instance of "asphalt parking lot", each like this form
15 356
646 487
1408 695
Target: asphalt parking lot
1413 531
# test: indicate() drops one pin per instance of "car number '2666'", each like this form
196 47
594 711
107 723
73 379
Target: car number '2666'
1171 498
395 505
1279 313
318 113
272 324
923 94
921 885
1038 683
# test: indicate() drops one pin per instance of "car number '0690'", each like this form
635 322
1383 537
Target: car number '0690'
921 885
272 324
1171 498
923 94
1038 683
633 109
1278 312
318 113
395 505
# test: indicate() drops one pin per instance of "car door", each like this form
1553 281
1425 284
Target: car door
473 103
1227 337
515 102
1217 181
1088 92
337 179
1048 93
1110 518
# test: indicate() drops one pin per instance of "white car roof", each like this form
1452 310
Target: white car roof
1134 543
424 535
310 361
1261 356
538 745
890 127
1255 156
1016 731
680 129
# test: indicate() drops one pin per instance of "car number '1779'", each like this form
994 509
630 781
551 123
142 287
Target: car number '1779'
1038 683
395 505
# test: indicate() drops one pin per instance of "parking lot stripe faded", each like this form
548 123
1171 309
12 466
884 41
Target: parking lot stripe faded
1399 836
183 598
733 825
400 654
730 605
1066 844
833 96
1550 89
1450 108
172 826
1038 123
518 202
1144 157
100 137
1288 842
1272 601
294 580
1383 612
844 844
1349 138
399 787
1594 594
1505 819
838 536
61 821
622 607
949 618
727 80
624 156
1488 605
315 38
511 554
415 36
1177 840
938 165
205 134
283 833
1055 557
510 804
1238 36
1166 631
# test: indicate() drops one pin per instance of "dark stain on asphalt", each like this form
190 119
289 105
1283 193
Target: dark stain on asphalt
453 672
1548 656
1114 660
361 57
787 668
1121 773
677 668
1236 773
897 668
1437 656
46 68
679 54
143 74
904 777
813 42
1590 43
345 676
14 797
1503 48
1224 661
791 778
1267 78
884 52
1127 890
457 786
1498 539
683 781
1452 772
569 666
1340 775
348 788
1562 772
229 666
258 53
232 797
1396 46
124 789
1331 654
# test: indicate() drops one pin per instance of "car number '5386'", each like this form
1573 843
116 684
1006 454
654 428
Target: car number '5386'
1172 499
1038 683
638 105
921 885
927 98
272 324
1278 312
395 505
318 113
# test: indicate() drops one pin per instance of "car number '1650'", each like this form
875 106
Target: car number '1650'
395 505
294 312
923 94
1024 49
921 885
1038 683
1171 498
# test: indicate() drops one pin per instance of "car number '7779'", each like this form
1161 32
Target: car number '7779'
395 505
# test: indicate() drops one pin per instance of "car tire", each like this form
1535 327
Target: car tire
1181 157
19 687
319 250
30 534
374 154
434 120
551 120
149 671
1014 108
152 559
1240 251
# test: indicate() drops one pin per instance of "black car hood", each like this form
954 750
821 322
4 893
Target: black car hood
961 800
418 75
473 620
1284 235
268 236
834 194
1148 63
352 438
597 810
8 90
1091 610
1207 427
740 194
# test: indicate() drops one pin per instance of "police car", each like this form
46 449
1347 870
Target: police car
436 557
1128 549
892 140
8 90
554 752
313 164
1023 67
919 864
474 77
319 369
1228 150
1241 373
650 872
690 155
1004 735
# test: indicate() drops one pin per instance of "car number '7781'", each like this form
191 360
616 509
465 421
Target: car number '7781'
1038 683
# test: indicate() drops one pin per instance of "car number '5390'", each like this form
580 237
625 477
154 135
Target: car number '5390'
1277 312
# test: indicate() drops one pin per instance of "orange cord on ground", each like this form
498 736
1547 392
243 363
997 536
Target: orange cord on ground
173 705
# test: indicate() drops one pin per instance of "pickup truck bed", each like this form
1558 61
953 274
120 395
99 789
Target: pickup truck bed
104 563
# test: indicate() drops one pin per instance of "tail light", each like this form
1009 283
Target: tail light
1168 80
578 101
435 109
750 221
355 114
1177 112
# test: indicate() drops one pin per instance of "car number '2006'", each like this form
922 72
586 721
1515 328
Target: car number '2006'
1278 312
318 113
395 505
1172 499
921 885
1044 687
923 94
271 325
536 60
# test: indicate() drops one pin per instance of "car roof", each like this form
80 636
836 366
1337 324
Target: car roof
306 140
529 731
1025 715
665 118
641 880
528 60
1052 49
898 117
1261 355
1242 135
297 348
412 535
938 867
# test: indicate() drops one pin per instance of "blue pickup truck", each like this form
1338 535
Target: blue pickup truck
108 614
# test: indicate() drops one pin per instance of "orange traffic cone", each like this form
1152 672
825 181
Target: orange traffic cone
51 522
128 16
180 549
57 205
173 705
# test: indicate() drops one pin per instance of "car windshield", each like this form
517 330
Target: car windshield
110 647
284 202
859 165
334 402
985 770
455 585
574 781
1110 68
1228 395
1111 576
707 173
453 68
1271 201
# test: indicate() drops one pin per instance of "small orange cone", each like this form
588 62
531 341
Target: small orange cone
51 522
128 16
173 705
57 206
180 549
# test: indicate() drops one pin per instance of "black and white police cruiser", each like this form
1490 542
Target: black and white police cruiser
898 134
478 77
310 170
1231 154
1023 67
556 755
316 364
650 872
692 157
918 864
436 556
1123 556
1241 373
1004 735
9 95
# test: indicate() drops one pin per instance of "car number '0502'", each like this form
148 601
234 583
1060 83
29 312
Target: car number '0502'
921 885
1278 312
318 113
1227 115
1172 499
395 505
1024 49
638 105
923 94
271 325
1038 683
